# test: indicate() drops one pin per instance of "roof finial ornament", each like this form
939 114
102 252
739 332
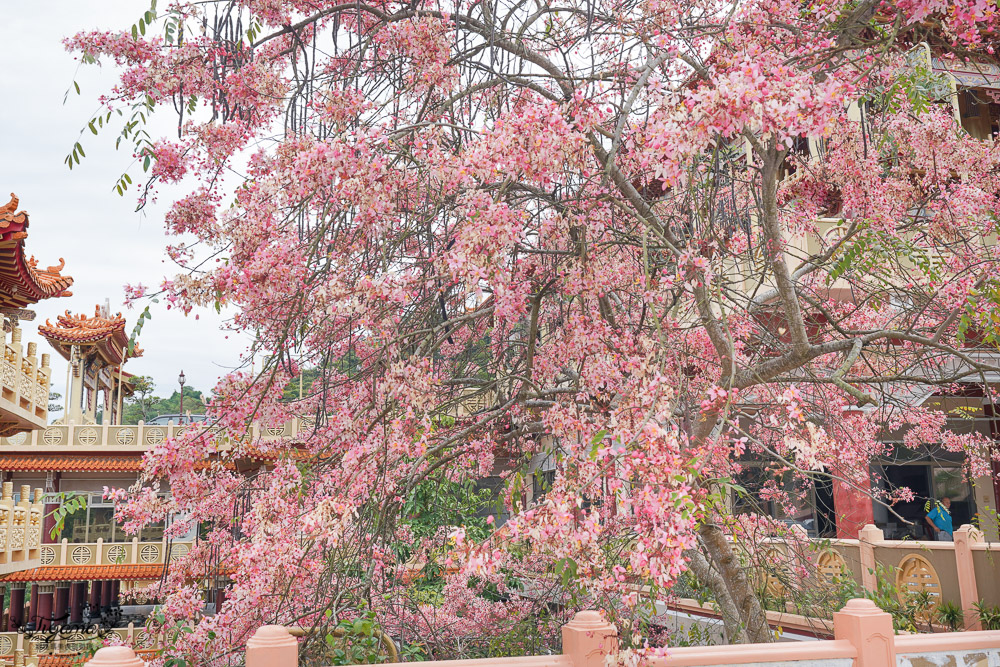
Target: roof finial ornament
11 206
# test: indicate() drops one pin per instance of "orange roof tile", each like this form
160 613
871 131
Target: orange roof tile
73 659
22 282
69 463
106 333
63 660
86 573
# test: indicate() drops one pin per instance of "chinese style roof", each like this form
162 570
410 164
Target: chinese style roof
78 658
131 572
22 283
69 463
105 333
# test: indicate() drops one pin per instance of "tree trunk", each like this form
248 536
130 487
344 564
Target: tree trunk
752 620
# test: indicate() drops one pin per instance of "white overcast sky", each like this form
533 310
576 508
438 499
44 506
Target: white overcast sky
75 214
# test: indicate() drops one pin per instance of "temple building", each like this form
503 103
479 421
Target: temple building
96 349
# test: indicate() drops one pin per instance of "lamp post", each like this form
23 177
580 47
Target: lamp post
181 379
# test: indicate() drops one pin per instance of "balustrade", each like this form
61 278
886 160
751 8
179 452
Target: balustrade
100 552
24 386
73 642
962 572
20 529
139 438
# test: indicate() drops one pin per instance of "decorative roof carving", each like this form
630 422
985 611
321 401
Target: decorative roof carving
104 332
22 283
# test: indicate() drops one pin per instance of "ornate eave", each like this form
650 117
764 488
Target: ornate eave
22 283
104 333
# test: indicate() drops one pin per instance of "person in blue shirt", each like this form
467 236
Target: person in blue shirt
939 519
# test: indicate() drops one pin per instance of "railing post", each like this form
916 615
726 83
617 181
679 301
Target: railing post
115 656
587 640
272 646
867 538
870 630
965 537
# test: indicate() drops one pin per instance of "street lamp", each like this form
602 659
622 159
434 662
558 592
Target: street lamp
181 379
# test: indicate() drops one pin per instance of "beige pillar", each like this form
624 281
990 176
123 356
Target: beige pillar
869 629
965 537
271 646
868 537
115 656
75 392
588 639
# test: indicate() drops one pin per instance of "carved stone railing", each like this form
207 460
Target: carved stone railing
961 572
72 644
134 552
24 387
138 438
20 529
863 637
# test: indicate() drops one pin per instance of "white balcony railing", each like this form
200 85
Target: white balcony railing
139 438
20 529
24 385
134 552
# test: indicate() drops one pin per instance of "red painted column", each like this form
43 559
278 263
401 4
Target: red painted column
77 598
220 598
852 506
116 587
95 598
60 603
16 616
106 593
43 615
32 615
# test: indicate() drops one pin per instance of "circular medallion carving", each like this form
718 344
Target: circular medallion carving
77 642
179 550
776 572
275 430
87 436
116 554
149 553
52 436
48 555
6 645
143 639
831 565
17 439
81 555
154 436
125 436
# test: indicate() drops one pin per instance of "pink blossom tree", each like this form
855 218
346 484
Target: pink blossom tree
496 232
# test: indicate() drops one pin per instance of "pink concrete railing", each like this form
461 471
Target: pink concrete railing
963 571
863 634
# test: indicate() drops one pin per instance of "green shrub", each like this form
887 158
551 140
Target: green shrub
989 615
951 615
